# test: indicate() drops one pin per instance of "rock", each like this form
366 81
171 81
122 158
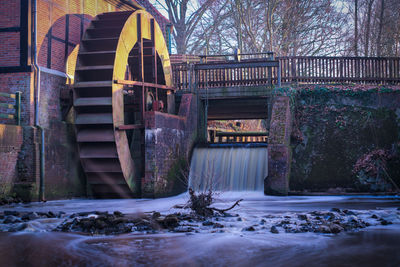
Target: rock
385 222
324 229
249 229
183 229
285 222
207 223
336 210
50 214
274 230
336 228
12 219
100 224
303 217
18 228
374 216
352 219
100 212
155 215
60 214
171 221
349 212
11 212
239 219
30 216
84 213
218 225
262 222
329 216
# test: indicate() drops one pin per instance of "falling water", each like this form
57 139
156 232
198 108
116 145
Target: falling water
229 168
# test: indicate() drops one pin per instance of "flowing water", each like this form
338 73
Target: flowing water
228 168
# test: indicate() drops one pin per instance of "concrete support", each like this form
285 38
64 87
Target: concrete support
279 152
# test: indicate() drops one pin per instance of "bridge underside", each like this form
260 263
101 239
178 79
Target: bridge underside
237 108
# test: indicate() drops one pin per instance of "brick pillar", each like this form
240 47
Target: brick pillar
279 152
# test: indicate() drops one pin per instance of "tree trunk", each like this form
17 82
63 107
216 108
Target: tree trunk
378 40
368 28
356 28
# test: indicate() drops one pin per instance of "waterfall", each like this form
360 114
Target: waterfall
228 168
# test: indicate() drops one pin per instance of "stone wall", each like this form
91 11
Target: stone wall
279 152
169 141
335 127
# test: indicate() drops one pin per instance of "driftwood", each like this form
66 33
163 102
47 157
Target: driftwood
200 204
224 210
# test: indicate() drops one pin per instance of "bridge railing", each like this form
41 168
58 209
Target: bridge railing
260 71
365 70
251 72
11 107
218 137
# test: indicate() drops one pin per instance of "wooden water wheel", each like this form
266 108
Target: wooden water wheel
122 71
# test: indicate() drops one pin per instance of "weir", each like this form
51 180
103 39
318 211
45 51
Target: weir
229 167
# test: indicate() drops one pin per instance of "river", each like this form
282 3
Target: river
376 245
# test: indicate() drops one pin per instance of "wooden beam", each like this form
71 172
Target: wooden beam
138 83
130 127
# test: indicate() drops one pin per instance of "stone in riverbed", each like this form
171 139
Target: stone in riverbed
207 223
11 212
30 216
171 221
274 230
385 222
324 229
336 228
303 217
11 219
218 225
349 212
249 229
18 228
156 215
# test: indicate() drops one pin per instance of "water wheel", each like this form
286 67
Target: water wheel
122 60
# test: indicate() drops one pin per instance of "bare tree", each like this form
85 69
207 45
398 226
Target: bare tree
185 16
368 27
380 27
356 28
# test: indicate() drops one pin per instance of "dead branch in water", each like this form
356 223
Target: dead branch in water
224 210
200 203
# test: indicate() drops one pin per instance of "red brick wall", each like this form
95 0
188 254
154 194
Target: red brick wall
11 83
9 41
10 146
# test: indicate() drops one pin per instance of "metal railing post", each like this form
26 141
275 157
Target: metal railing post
279 73
18 107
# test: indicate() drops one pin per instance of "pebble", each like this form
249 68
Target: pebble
274 230
11 219
250 229
11 212
303 217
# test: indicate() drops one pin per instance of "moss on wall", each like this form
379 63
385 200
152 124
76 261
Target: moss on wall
334 128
